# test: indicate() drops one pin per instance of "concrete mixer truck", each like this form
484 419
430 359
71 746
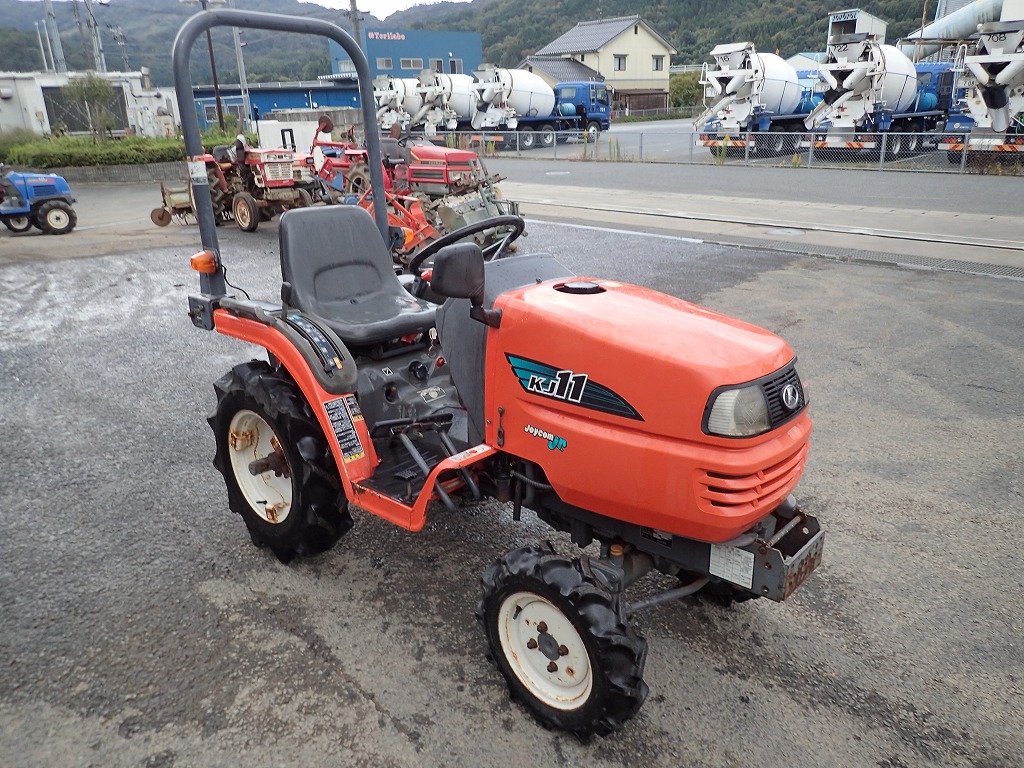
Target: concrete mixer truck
520 100
497 99
992 74
751 96
428 101
872 99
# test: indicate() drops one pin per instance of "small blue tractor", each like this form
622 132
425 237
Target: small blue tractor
36 200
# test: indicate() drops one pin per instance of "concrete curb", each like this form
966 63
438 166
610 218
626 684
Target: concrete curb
122 174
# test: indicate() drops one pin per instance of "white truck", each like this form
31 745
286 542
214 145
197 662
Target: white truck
751 96
494 99
992 73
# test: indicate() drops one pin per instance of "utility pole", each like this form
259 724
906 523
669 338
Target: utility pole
42 51
122 44
356 19
243 82
81 36
50 24
97 43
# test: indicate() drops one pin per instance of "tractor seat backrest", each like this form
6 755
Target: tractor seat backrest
391 150
222 153
337 267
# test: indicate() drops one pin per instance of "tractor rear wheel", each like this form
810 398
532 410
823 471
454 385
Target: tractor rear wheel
280 474
561 640
247 213
56 217
219 198
357 179
17 224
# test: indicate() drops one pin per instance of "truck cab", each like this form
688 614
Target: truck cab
585 99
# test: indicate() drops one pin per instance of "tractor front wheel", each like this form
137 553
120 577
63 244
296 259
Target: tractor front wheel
17 224
562 642
279 471
247 213
56 217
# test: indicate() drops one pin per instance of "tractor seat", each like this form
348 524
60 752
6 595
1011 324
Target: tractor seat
222 153
338 268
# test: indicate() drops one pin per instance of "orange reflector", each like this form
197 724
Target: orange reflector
205 262
409 235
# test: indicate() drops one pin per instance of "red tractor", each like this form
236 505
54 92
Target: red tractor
247 185
452 185
671 435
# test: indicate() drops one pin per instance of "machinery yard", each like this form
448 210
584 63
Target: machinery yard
140 627
512 460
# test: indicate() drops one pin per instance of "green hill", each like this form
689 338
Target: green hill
510 30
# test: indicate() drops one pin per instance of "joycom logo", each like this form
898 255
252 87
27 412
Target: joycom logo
554 442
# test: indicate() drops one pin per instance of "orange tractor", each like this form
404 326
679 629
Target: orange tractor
671 435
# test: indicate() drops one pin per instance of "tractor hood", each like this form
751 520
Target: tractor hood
433 154
652 358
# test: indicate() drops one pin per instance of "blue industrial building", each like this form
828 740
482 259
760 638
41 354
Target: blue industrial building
399 53
405 53
266 97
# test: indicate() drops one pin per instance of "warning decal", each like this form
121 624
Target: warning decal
344 428
731 564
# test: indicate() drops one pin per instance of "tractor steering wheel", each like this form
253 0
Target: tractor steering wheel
493 251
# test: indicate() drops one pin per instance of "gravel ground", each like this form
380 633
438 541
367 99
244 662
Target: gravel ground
139 627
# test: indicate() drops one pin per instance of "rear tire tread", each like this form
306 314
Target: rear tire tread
318 498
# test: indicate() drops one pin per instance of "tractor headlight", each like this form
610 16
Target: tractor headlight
455 176
738 412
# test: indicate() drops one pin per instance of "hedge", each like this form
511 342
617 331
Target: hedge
65 151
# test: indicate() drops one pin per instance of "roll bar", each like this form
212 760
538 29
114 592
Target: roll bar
213 284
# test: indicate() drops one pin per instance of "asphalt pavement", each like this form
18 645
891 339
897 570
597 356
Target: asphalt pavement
139 626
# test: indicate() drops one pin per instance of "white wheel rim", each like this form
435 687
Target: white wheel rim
242 213
20 222
58 218
556 669
251 438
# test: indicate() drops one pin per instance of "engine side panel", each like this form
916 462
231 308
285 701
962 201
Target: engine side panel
612 410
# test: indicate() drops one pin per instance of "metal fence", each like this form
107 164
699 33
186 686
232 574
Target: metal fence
919 152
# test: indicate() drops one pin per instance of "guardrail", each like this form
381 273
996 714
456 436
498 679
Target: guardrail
919 152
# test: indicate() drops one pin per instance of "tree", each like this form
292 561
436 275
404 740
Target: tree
94 94
685 89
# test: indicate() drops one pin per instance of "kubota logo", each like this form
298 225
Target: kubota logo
791 396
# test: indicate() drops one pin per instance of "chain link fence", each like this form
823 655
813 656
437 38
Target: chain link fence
895 151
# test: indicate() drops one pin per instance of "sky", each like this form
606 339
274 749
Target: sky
379 8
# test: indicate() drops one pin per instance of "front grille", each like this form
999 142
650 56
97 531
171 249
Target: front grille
741 494
44 190
778 411
278 171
